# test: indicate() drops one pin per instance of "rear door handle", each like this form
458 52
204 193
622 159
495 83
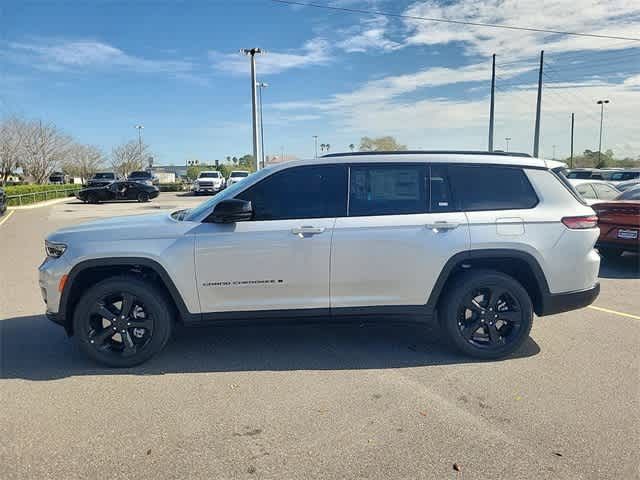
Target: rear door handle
442 226
307 230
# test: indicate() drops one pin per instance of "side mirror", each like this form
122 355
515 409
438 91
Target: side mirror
231 211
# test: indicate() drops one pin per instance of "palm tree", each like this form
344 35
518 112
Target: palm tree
322 145
328 147
352 147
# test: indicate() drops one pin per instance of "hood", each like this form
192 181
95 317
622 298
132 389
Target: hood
131 227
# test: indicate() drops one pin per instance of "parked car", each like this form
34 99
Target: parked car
630 194
3 202
593 191
58 178
236 176
585 173
619 224
121 190
626 185
625 175
101 179
210 181
143 176
478 242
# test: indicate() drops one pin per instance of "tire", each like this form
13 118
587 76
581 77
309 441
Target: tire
482 322
98 322
143 197
610 253
92 198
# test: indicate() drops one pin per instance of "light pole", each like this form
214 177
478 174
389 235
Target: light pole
252 52
315 138
261 85
140 127
554 151
507 139
601 103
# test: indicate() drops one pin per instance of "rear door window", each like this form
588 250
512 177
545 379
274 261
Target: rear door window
605 192
392 189
586 191
490 187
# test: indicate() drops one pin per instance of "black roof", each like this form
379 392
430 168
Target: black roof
428 152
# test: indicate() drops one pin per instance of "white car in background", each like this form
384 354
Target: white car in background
594 191
235 176
208 181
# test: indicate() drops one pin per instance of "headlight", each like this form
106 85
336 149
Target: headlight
54 250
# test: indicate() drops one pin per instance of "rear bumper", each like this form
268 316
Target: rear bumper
627 246
564 302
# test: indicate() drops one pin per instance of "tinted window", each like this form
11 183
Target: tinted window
209 175
585 190
581 174
487 187
439 189
300 192
387 190
618 176
239 174
605 192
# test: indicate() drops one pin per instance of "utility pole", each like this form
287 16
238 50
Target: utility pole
252 52
507 139
493 88
601 103
139 127
536 135
261 85
315 138
554 151
571 157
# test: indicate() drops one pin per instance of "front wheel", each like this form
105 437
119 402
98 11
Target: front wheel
486 314
143 197
122 322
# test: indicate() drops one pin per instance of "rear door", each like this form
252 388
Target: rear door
399 233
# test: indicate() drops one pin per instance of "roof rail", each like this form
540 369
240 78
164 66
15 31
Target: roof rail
428 152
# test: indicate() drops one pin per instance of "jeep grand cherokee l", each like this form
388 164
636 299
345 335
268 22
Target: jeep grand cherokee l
475 242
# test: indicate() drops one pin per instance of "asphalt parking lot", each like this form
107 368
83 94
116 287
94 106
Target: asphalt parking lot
277 402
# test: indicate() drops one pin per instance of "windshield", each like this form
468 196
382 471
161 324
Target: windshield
139 174
104 175
229 192
239 174
209 175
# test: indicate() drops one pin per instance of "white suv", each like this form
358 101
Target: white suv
236 176
476 242
208 182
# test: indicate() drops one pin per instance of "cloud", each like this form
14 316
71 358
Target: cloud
316 51
84 54
370 35
614 17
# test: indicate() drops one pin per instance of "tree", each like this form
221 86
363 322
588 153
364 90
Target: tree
387 144
44 147
247 162
82 161
129 157
11 134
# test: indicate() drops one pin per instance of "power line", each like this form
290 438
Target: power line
456 22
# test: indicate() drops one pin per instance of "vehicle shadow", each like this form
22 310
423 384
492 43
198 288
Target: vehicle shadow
33 348
626 266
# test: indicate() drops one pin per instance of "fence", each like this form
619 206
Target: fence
42 196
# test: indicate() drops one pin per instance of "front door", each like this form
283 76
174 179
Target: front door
280 259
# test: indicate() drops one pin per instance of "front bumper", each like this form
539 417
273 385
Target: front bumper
563 302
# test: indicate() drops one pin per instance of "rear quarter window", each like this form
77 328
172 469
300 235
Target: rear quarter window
489 187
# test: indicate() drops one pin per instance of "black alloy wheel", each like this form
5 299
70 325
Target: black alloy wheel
122 321
486 314
143 197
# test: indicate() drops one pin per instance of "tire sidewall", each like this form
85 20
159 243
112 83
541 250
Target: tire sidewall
153 302
143 197
453 299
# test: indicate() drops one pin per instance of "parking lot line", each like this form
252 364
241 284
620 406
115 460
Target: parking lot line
622 314
7 216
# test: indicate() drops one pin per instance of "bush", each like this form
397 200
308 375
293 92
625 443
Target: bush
171 187
41 193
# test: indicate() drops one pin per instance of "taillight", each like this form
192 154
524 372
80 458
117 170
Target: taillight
579 223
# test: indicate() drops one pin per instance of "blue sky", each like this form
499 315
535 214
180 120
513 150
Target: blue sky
96 69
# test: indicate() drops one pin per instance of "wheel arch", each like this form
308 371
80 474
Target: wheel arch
87 273
516 263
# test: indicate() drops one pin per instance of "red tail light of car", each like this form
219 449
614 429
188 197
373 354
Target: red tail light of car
581 223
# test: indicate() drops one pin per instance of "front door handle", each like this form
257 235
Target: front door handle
442 226
307 230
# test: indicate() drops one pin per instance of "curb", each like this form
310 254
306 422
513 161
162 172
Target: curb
6 217
41 204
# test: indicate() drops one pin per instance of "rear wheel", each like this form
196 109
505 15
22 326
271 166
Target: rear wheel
486 314
122 322
143 197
